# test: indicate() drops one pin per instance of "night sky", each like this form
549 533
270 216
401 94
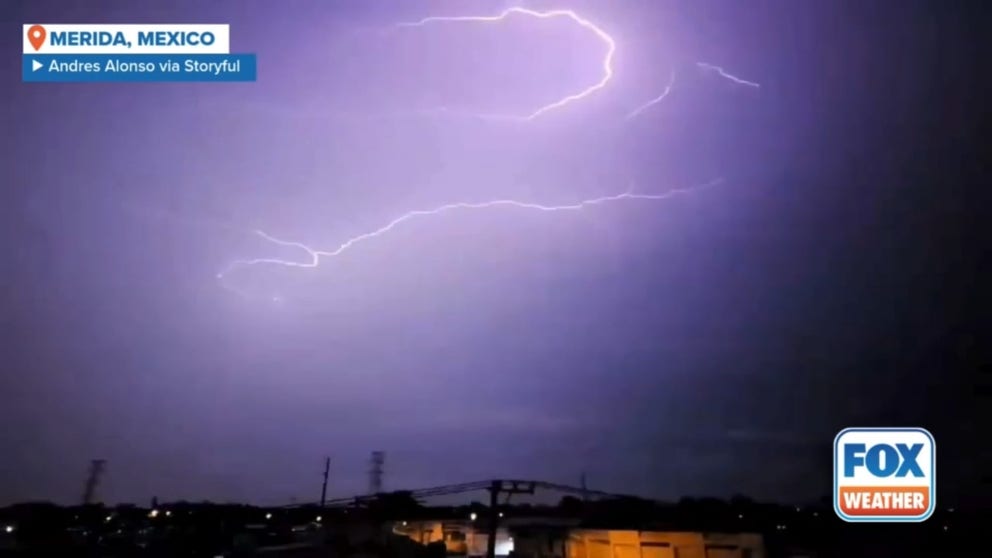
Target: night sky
712 343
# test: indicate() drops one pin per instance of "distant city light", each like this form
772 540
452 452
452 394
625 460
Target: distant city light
473 516
153 514
501 514
9 528
168 514
318 519
404 523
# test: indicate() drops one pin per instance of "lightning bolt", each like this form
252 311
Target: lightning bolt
314 257
607 70
607 63
722 73
656 100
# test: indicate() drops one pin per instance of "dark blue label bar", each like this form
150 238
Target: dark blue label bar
138 67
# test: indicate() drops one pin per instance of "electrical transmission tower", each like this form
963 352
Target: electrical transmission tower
93 479
375 472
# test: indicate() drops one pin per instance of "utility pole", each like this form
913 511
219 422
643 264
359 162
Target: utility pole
509 488
585 490
93 479
323 489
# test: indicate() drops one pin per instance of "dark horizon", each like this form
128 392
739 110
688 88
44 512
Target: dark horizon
708 343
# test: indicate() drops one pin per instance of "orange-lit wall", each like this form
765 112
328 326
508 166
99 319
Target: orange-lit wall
650 544
586 543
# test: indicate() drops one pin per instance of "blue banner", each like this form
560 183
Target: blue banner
138 67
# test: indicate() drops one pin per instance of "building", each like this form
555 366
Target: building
460 537
557 538
588 543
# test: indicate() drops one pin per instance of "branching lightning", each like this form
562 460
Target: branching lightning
607 63
656 100
314 257
722 73
671 83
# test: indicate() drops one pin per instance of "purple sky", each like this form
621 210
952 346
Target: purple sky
711 343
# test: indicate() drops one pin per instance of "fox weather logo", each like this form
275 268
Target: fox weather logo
884 475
